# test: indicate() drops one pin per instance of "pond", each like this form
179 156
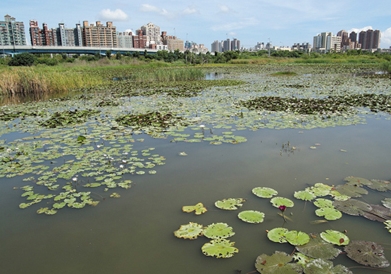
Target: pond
217 151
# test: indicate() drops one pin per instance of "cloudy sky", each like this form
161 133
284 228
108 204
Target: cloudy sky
283 22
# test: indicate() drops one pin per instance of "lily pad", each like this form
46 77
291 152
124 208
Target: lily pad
320 266
189 231
264 192
351 190
219 248
380 185
198 209
321 203
230 203
328 213
251 216
42 210
367 253
357 181
297 237
320 189
352 207
386 202
388 225
304 195
218 231
278 263
277 234
318 248
281 201
334 237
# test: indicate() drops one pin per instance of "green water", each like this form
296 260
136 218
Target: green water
134 234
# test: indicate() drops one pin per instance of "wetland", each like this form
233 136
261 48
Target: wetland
221 169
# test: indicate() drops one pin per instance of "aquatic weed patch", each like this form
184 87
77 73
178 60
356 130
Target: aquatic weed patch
69 117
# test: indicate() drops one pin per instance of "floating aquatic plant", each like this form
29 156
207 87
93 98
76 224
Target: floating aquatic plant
297 238
279 262
198 209
189 231
277 234
218 231
318 248
230 203
264 192
304 195
367 253
335 237
322 266
281 201
251 216
219 248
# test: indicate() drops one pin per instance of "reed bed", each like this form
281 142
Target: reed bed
26 80
167 75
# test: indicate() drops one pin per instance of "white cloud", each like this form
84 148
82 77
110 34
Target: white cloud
150 8
115 15
361 29
385 39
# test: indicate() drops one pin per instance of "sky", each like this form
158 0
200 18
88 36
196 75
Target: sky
280 22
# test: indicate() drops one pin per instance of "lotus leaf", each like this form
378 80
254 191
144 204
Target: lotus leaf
304 195
189 231
281 201
388 225
301 259
76 205
51 211
351 190
251 216
278 263
328 213
59 205
297 237
219 248
317 248
320 189
352 207
230 203
218 231
92 185
357 181
380 185
334 237
367 253
320 266
24 205
378 213
386 202
264 192
338 196
321 202
42 210
115 195
198 209
277 234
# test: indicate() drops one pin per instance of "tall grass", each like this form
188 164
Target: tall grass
25 80
167 75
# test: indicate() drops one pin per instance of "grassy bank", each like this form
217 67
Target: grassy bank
26 80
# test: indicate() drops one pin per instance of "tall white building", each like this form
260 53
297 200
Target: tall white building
12 32
326 42
152 32
125 39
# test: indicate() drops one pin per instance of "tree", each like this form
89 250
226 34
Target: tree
22 59
108 54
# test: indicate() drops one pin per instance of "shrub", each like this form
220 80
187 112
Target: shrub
22 59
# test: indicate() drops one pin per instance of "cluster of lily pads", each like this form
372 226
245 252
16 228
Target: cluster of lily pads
313 251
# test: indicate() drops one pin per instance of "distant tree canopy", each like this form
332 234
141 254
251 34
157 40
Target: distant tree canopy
22 59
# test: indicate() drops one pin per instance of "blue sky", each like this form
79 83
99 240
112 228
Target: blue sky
281 22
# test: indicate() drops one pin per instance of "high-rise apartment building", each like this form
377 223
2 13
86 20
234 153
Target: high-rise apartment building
125 39
172 42
139 40
12 33
326 42
152 32
69 37
99 35
369 39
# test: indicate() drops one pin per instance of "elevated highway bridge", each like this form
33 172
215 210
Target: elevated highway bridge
12 50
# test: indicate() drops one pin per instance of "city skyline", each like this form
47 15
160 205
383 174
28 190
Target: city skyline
283 24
